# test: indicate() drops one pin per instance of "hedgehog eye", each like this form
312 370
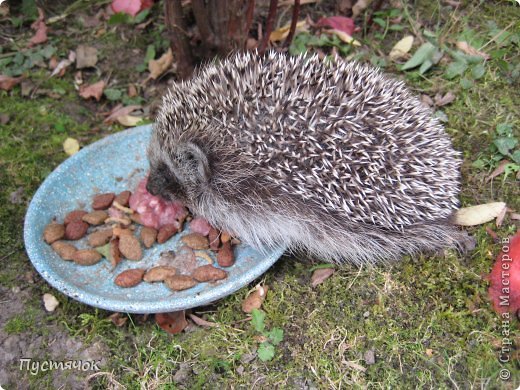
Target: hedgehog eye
190 156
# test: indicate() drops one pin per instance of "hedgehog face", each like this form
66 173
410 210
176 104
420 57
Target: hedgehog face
181 173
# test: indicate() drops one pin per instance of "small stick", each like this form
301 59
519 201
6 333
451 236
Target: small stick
273 4
294 21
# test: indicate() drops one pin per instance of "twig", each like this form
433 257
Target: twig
294 21
249 16
273 4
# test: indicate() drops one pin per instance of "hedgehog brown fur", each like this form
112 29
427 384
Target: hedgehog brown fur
325 156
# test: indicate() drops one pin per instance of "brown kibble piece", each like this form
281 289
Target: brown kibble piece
135 217
148 236
225 237
76 230
180 282
214 239
115 254
86 257
158 274
100 237
95 218
195 241
119 231
130 277
123 197
130 247
208 273
103 201
53 232
64 250
74 215
166 232
225 255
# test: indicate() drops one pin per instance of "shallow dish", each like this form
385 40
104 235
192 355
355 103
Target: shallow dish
114 164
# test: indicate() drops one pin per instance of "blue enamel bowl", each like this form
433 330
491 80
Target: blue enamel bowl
114 164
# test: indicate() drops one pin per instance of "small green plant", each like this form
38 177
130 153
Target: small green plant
22 61
266 350
504 146
384 19
302 42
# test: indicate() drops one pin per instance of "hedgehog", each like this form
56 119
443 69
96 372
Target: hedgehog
323 157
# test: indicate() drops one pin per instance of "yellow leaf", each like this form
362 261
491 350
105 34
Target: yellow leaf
158 67
71 146
342 35
282 32
477 215
129 120
401 48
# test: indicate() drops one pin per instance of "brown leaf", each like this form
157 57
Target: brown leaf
443 100
498 170
158 67
359 7
201 322
500 217
41 30
132 90
172 322
118 111
320 275
255 299
86 57
118 319
92 91
7 83
468 49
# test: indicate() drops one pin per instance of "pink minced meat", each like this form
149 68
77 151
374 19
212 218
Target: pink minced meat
200 225
154 211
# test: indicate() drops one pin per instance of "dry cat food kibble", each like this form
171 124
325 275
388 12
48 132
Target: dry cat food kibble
122 226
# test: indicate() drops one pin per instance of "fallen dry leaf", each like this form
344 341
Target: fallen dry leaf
94 90
501 216
130 7
201 322
71 146
173 322
344 37
119 111
7 83
339 23
255 299
401 48
41 30
50 302
443 100
118 319
498 170
468 49
477 215
282 32
359 7
86 57
158 67
129 120
320 275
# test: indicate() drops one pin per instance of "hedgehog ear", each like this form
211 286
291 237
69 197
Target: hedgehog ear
197 154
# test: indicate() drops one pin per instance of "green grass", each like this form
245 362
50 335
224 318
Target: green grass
426 318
